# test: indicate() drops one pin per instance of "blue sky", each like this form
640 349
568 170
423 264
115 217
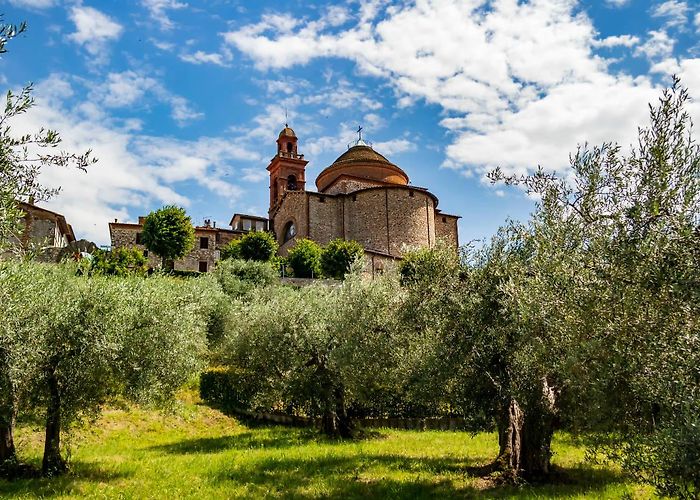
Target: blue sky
182 101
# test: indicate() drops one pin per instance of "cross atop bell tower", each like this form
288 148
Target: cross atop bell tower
287 168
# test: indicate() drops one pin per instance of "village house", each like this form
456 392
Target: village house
209 240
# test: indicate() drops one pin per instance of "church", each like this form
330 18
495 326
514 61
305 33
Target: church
361 196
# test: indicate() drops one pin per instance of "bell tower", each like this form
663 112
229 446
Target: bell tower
287 168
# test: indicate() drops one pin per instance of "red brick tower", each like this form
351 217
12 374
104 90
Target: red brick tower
287 169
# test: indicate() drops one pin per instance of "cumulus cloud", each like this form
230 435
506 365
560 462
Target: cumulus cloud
658 45
134 171
519 82
94 30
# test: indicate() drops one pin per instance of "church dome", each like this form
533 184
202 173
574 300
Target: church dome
287 132
363 162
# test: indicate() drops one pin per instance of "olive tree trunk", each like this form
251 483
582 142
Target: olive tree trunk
335 422
53 464
8 413
525 437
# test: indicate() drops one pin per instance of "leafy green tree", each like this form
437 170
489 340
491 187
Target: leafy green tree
168 232
23 157
304 258
120 262
338 257
232 250
258 245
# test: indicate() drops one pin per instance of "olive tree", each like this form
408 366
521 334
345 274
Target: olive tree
315 349
70 343
609 281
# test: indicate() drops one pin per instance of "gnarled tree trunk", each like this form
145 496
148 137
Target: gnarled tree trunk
335 422
53 464
525 436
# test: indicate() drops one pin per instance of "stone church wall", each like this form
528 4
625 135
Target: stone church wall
348 185
446 228
326 218
366 219
293 208
411 220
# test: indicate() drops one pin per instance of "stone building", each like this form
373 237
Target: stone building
361 196
209 240
44 228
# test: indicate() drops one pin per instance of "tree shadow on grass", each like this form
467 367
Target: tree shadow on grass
366 477
61 485
270 437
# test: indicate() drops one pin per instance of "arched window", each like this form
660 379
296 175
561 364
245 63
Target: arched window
290 147
290 231
291 183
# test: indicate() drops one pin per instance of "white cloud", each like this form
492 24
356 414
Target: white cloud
222 58
617 41
519 82
93 31
674 11
158 11
130 88
33 4
697 21
134 171
658 45
617 3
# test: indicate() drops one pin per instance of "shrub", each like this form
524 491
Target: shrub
119 262
338 257
258 245
305 259
238 277
232 250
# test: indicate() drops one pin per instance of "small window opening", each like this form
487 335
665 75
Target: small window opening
354 197
290 231
322 199
145 253
138 238
291 183
411 194
203 266
203 243
444 219
290 147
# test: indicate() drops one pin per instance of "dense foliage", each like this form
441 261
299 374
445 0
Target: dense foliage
69 343
304 258
339 256
168 232
119 261
258 245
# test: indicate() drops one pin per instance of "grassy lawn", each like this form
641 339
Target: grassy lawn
201 453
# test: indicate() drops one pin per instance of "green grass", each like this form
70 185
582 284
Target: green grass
201 453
